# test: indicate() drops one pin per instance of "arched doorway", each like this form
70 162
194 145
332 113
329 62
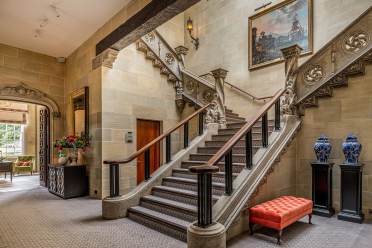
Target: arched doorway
21 92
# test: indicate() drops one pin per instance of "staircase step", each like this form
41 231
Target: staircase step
237 167
225 137
234 119
176 194
215 149
163 223
231 114
173 208
218 177
191 184
237 158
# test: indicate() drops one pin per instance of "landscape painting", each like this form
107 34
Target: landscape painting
280 26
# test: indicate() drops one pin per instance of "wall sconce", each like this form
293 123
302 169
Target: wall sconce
190 27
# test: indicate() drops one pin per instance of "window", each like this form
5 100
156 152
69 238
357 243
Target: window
11 139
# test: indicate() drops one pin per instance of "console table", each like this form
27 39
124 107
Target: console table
6 166
68 181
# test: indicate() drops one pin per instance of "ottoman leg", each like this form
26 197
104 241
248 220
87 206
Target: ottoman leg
310 216
279 237
251 227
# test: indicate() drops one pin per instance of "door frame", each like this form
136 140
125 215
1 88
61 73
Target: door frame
160 131
19 91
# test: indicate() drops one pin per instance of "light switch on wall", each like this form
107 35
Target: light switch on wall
129 137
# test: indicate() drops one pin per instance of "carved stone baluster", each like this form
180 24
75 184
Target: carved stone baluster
220 76
181 53
288 101
180 102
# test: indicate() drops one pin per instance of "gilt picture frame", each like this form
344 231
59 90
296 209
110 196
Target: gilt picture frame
284 24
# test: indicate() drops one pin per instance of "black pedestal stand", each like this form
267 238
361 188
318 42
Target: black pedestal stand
351 193
322 189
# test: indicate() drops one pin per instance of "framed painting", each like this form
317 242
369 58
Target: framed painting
287 23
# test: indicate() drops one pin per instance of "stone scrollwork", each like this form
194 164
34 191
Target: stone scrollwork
356 41
208 95
106 58
169 58
23 92
289 98
150 37
213 113
190 85
313 74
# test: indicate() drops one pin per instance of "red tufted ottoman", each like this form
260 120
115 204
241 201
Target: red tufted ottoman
280 213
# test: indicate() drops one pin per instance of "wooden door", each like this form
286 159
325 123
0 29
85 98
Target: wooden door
44 153
146 132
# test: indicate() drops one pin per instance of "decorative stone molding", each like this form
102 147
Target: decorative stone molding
356 41
337 57
220 76
288 100
106 58
25 93
180 102
181 52
213 113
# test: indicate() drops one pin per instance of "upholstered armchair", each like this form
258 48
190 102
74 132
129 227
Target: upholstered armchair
24 163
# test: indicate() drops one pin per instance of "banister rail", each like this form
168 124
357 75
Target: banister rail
205 171
114 164
254 98
238 135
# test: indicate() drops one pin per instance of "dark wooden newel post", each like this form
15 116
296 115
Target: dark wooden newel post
204 193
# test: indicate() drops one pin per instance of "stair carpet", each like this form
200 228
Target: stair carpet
172 206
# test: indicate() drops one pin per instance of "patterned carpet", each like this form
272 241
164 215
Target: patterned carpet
36 218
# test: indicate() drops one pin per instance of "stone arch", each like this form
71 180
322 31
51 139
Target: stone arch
24 93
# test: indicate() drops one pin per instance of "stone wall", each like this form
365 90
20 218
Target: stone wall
80 74
222 27
38 71
134 89
348 111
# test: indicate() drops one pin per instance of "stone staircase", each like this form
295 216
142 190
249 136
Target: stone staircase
172 206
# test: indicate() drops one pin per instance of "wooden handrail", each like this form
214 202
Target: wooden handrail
249 94
238 135
158 139
254 98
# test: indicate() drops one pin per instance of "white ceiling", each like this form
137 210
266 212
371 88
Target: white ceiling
78 20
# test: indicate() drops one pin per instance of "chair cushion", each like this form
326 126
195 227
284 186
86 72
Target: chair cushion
280 212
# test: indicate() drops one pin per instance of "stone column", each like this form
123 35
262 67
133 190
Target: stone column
289 99
220 76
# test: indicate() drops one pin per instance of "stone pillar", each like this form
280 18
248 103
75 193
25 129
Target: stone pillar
289 99
220 76
181 53
213 236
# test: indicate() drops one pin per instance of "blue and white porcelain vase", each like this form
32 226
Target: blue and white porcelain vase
322 149
351 148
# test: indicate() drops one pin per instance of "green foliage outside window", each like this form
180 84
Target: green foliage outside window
11 139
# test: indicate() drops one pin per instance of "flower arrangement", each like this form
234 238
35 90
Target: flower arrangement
71 141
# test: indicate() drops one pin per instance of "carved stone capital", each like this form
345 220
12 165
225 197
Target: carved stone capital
291 51
219 73
181 50
106 58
